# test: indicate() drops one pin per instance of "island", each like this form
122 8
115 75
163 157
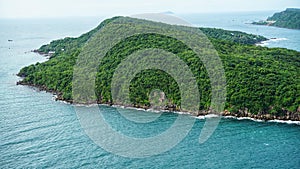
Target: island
290 18
262 83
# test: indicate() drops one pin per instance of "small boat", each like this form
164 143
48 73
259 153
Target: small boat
9 40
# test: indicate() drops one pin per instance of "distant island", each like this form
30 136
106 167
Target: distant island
262 82
290 18
168 12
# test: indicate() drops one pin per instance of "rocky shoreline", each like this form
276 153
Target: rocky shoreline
287 116
266 117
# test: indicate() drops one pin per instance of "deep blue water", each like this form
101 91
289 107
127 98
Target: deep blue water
38 132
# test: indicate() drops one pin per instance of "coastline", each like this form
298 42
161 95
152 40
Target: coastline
271 24
288 117
266 42
200 117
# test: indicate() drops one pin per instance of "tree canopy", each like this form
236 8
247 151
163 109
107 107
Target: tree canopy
290 18
259 79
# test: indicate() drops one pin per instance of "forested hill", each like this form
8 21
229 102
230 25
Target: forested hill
260 80
69 44
290 18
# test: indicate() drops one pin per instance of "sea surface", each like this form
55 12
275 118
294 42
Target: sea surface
38 132
285 38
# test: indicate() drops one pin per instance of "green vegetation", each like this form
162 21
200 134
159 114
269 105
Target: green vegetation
259 79
233 36
290 18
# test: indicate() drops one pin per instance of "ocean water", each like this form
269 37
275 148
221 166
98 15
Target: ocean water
38 132
240 21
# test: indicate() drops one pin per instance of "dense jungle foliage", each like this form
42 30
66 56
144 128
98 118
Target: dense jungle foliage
259 79
290 18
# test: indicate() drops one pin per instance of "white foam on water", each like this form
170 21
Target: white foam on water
267 42
285 121
200 117
179 112
185 113
154 111
249 118
243 118
211 116
259 120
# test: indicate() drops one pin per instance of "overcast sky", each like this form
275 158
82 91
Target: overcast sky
66 8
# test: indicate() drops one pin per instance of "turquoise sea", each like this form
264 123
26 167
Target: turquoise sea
38 132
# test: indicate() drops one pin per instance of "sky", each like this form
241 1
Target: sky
70 8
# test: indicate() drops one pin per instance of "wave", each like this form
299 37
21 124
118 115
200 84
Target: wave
83 105
207 116
187 113
155 111
180 112
285 121
258 120
267 42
